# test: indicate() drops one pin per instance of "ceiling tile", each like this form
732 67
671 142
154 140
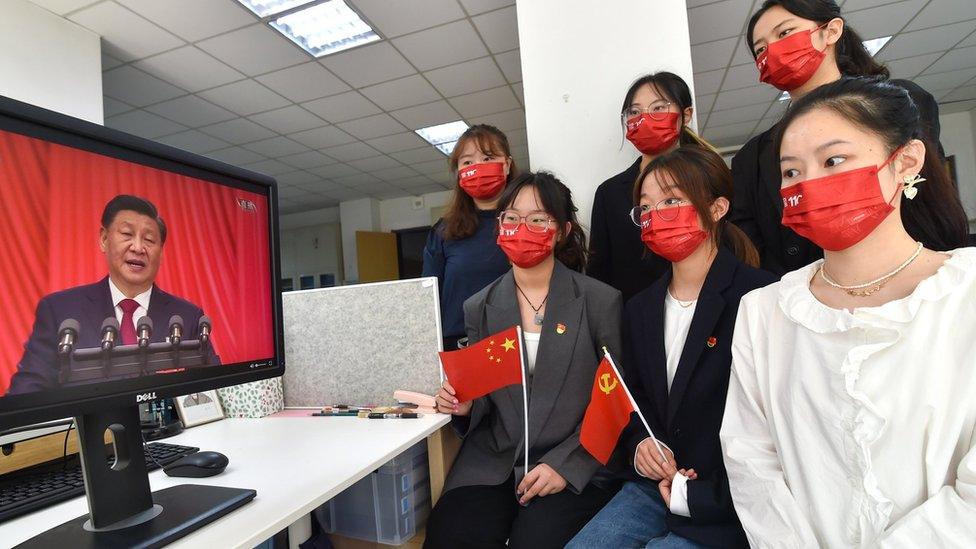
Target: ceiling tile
396 17
736 116
517 88
741 76
377 125
361 181
298 177
275 146
109 62
124 34
856 5
191 111
746 96
137 88
375 163
405 92
238 130
499 29
321 186
943 12
431 114
435 168
957 59
62 7
307 160
369 64
971 41
193 141
467 77
743 54
289 191
334 171
347 194
708 82
254 50
236 156
342 107
703 104
394 192
189 68
426 50
112 107
965 93
411 182
396 174
395 143
958 106
288 120
192 19
304 82
352 151
426 189
713 55
945 81
320 138
486 102
269 167
142 123
511 65
718 20
504 121
910 44
884 20
416 156
517 137
245 97
474 7
738 132
909 67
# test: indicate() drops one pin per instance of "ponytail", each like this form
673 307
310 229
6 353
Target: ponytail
689 137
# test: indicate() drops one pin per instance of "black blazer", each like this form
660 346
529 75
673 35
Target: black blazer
588 314
618 257
689 418
757 206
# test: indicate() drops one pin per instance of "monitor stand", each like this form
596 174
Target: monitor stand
123 511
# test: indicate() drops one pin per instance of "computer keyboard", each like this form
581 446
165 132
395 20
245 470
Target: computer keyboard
57 480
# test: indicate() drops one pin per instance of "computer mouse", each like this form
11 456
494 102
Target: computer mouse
197 465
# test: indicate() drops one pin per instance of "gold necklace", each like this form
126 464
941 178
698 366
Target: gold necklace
869 288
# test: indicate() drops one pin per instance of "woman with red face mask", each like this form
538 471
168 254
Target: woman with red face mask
851 413
566 318
461 250
655 115
799 45
677 356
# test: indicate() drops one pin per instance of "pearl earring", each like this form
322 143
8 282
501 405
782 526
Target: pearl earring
909 187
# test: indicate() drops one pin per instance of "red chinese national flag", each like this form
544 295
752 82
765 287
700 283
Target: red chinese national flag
483 367
607 414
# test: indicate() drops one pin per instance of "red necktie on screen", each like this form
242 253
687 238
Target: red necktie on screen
128 327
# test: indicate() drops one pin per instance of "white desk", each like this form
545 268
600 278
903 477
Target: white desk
295 464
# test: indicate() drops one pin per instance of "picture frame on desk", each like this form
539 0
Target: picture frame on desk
199 408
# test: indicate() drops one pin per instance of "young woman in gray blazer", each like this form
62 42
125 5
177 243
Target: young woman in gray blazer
566 318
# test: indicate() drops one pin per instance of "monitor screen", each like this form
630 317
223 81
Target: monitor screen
127 267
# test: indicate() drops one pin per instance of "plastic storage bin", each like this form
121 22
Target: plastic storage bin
387 506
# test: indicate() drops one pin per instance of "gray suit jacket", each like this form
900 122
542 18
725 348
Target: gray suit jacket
589 311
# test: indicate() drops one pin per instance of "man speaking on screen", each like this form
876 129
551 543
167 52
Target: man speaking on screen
132 237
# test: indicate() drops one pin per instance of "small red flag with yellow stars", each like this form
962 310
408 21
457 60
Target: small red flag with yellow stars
485 366
607 414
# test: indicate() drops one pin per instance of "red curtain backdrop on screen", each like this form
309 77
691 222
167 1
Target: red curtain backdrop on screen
216 253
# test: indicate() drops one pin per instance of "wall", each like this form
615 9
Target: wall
50 62
959 138
356 215
399 213
312 250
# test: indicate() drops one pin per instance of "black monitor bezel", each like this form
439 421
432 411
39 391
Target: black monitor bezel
32 121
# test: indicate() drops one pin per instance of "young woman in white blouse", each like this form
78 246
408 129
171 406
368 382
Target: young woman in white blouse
851 413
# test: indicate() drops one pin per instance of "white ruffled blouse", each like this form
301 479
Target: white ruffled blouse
856 428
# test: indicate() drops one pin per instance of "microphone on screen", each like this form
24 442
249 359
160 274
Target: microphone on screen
144 330
67 335
175 329
206 326
110 333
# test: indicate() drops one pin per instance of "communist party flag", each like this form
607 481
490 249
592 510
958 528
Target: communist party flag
485 366
607 414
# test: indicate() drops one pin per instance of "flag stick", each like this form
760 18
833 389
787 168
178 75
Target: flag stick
525 401
634 404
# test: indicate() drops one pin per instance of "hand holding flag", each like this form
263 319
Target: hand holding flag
486 366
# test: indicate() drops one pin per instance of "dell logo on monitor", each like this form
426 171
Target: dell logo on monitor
145 397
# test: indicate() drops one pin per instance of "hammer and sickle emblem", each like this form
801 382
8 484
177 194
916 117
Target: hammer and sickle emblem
605 384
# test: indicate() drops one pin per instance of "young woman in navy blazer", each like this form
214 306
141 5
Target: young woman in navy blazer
677 358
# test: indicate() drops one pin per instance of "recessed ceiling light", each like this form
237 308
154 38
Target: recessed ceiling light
874 46
264 8
326 28
443 136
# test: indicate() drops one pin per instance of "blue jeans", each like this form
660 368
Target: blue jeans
635 517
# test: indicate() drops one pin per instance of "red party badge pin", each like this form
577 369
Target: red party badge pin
560 328
711 342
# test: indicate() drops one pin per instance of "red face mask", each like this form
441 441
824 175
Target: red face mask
653 136
837 211
525 248
789 63
482 181
674 239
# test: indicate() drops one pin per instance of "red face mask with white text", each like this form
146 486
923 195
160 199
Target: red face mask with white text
482 181
525 248
651 136
673 239
789 63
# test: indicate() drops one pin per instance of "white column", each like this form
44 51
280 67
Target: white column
578 59
48 61
356 215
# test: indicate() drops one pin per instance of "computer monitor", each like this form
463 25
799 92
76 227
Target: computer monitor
129 271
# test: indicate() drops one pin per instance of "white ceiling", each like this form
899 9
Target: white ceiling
208 76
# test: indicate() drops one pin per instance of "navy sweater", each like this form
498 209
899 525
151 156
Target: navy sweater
463 267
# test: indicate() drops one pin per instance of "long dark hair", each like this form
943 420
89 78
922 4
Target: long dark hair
557 201
853 58
703 177
672 87
461 218
936 216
